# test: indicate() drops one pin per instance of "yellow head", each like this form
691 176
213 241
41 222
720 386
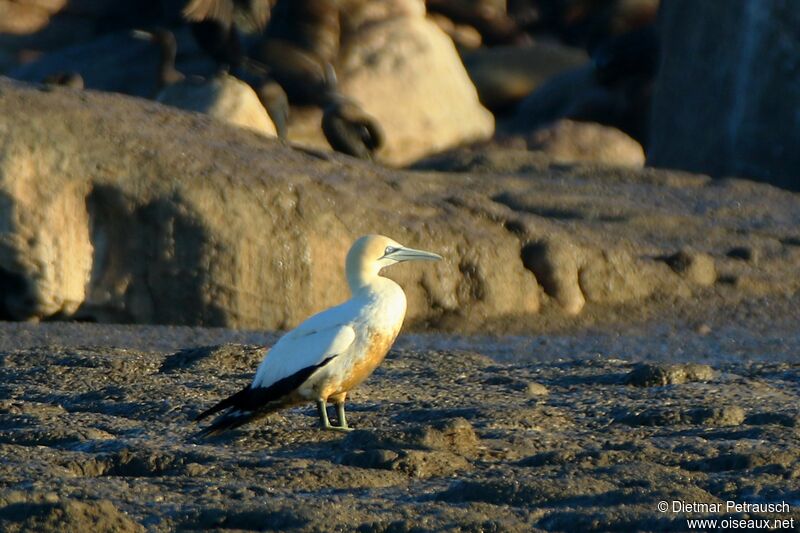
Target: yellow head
370 253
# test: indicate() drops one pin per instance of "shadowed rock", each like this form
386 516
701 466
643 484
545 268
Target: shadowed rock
504 75
729 110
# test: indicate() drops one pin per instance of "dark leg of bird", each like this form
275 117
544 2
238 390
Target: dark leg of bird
342 418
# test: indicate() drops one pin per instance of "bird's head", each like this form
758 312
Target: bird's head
371 253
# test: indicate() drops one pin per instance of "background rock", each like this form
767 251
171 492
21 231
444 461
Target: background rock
228 235
504 75
399 66
117 209
225 98
567 141
32 27
729 110
405 72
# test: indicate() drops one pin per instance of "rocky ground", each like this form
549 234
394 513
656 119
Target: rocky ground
599 338
584 429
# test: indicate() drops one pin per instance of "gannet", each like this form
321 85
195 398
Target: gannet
332 352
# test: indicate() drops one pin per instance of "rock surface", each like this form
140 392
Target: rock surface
116 209
567 141
651 375
697 267
91 438
717 111
223 97
240 231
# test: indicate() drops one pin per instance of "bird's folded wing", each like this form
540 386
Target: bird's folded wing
303 348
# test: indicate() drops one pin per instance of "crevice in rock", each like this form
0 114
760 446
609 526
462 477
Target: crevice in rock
532 255
110 217
515 227
16 303
472 285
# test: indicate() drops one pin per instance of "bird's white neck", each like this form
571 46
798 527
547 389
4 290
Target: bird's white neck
385 302
360 276
373 283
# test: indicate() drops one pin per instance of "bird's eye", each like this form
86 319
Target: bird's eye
389 250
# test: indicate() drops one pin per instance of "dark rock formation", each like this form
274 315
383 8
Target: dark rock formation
727 96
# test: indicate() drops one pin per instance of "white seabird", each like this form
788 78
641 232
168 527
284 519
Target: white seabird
331 352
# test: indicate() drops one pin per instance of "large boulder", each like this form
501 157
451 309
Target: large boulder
406 73
223 97
122 209
728 92
119 209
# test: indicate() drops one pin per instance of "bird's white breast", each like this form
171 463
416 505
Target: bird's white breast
384 306
381 310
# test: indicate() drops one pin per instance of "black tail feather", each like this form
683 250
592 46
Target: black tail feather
250 403
231 420
230 401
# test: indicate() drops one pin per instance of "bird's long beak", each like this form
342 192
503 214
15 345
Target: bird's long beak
410 254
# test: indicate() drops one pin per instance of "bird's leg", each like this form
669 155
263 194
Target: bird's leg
322 409
324 422
338 401
342 418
